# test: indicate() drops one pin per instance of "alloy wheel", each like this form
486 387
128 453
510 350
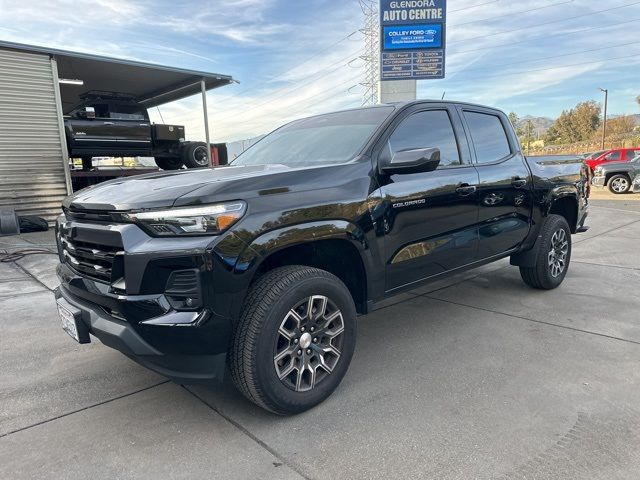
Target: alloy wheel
309 343
557 257
620 185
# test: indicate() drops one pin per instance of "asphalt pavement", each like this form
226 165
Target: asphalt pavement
475 376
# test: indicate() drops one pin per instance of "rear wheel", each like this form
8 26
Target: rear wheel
553 256
619 184
295 338
194 155
169 163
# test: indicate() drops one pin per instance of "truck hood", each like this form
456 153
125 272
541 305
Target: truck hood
192 187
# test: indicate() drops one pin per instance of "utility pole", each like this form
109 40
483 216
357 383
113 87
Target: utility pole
604 122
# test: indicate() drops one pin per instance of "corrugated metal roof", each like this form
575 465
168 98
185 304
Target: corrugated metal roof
151 84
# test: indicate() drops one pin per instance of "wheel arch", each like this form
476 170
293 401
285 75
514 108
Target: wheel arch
565 205
336 246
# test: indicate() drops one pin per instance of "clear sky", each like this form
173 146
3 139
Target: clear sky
299 57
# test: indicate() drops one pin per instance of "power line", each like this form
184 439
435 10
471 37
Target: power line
559 20
315 55
324 94
605 60
472 6
512 13
297 86
352 56
565 54
491 47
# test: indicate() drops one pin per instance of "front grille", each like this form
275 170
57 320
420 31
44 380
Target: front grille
89 258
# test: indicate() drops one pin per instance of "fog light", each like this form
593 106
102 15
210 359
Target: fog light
183 290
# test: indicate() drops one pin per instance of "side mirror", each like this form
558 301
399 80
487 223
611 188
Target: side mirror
89 112
415 160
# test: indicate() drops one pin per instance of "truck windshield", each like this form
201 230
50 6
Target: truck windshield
330 138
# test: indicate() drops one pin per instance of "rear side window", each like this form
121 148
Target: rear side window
489 137
631 154
127 112
431 128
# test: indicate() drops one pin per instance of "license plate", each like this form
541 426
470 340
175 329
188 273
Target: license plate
69 324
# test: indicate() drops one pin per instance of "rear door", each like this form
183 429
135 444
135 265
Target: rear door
430 218
505 189
132 126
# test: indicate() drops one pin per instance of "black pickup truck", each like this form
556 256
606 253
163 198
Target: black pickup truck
264 265
116 125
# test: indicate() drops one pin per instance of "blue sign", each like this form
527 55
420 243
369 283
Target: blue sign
413 39
412 36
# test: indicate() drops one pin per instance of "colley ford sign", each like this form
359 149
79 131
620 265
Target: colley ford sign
413 39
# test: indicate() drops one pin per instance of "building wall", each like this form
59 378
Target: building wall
32 169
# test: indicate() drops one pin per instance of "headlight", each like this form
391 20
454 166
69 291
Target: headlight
210 219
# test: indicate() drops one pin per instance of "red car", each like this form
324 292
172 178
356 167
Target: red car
615 155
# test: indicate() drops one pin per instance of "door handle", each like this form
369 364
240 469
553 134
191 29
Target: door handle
465 189
108 123
519 182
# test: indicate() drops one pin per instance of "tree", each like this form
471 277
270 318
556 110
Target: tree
517 123
617 126
575 125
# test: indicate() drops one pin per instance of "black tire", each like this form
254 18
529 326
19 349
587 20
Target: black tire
544 274
87 164
257 339
619 184
169 163
194 155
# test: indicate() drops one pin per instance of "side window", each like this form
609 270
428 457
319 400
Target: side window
613 156
630 154
127 112
431 128
102 110
489 137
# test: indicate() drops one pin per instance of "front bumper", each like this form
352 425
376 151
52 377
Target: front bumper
120 335
598 181
129 301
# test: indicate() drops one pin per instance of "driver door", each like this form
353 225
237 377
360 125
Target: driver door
430 218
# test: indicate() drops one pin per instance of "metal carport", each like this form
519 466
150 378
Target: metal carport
34 174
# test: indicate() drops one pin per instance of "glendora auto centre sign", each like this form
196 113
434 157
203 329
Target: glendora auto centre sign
413 10
413 39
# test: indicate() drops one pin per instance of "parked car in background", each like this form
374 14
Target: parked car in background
618 176
615 155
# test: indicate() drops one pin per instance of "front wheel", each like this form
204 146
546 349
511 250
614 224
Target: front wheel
619 184
553 255
295 339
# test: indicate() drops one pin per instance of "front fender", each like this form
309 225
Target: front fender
275 240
